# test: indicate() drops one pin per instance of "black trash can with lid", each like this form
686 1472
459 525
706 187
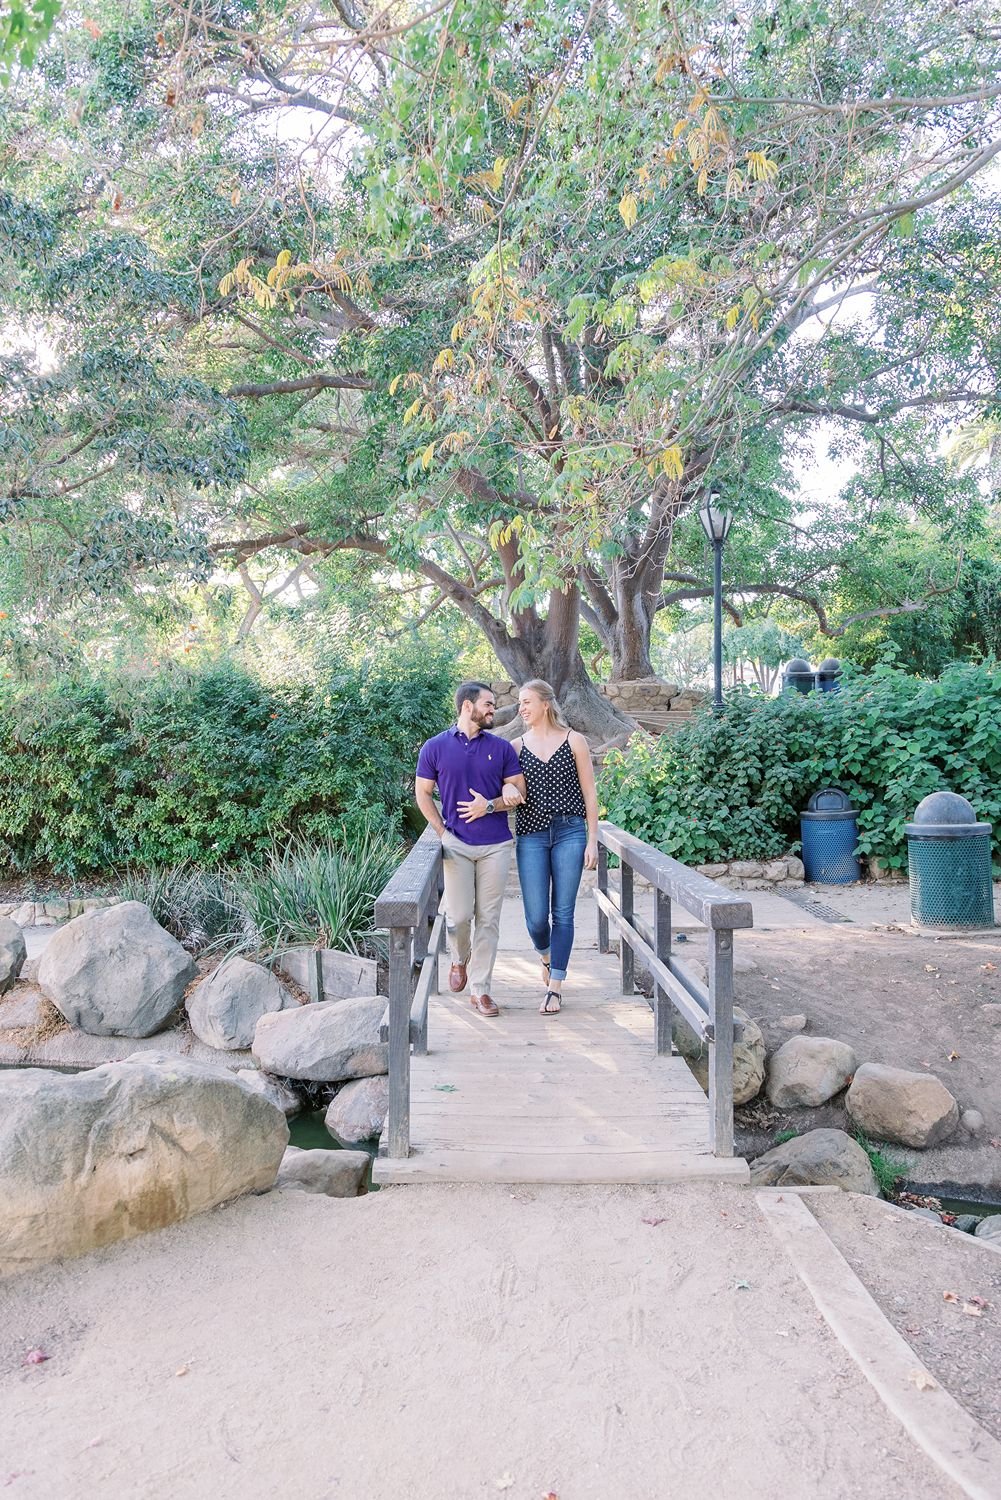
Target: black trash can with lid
829 830
799 676
829 675
949 864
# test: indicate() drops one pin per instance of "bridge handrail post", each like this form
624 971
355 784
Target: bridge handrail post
706 1007
407 907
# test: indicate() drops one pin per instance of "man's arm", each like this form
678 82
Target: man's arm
423 787
513 790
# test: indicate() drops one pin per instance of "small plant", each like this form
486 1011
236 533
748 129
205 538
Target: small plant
785 1135
888 1169
195 906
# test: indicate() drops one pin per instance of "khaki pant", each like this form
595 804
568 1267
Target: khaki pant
475 880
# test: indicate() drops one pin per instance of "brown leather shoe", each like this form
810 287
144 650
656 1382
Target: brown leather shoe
457 978
483 1005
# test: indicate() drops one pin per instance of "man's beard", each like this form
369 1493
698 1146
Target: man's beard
483 717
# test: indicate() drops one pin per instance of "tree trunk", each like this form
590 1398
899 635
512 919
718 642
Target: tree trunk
548 648
635 595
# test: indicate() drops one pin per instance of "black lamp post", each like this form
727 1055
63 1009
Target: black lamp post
716 524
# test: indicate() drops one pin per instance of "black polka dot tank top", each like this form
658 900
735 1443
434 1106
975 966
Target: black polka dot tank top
551 786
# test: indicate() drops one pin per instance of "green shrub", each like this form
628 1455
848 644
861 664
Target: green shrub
732 785
207 766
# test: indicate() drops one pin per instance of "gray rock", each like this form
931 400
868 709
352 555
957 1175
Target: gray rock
713 872
57 909
12 953
358 1111
967 1223
115 972
336 1174
90 1158
926 1213
892 1104
344 974
325 1043
972 1121
795 867
281 1096
748 1057
746 869
818 1158
775 869
792 1023
990 1229
24 916
225 1007
809 1070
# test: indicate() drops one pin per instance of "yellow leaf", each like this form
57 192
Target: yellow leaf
410 380
284 259
411 411
671 462
731 318
444 360
629 209
760 168
427 457
679 126
227 284
458 330
198 123
702 182
235 196
394 384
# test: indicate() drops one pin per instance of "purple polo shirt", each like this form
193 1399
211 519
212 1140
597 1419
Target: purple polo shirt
458 764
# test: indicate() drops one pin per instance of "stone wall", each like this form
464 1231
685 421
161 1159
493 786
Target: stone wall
51 911
757 875
648 695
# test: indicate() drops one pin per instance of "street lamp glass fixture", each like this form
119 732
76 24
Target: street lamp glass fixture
715 523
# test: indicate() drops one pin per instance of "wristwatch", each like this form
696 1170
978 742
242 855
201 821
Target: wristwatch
491 806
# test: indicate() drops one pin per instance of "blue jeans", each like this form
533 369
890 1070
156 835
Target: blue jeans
549 868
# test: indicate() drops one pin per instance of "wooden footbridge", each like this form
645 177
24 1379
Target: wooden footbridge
594 1094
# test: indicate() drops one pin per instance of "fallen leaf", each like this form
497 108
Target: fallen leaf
980 1302
972 1311
930 969
446 1088
949 1297
182 1370
36 1357
654 1222
954 1057
922 1380
504 1482
989 968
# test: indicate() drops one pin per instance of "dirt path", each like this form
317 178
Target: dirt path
444 1342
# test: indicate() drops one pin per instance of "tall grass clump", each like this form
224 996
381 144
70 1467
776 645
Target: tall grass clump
319 894
197 907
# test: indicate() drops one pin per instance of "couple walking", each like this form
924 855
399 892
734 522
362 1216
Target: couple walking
547 775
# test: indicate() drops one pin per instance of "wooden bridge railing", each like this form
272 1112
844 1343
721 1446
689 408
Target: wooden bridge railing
707 1008
409 909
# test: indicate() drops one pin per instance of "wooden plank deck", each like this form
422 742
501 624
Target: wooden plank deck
574 1098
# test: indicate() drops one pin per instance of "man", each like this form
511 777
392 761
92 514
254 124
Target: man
478 777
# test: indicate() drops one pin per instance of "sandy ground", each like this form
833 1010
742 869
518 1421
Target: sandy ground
439 1342
924 1276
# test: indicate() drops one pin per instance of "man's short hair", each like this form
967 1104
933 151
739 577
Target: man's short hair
468 692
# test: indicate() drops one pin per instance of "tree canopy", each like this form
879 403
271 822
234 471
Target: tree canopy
490 298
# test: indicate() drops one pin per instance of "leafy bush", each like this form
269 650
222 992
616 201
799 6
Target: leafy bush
207 766
732 785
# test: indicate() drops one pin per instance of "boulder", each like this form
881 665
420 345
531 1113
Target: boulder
819 1158
972 1121
115 971
809 1070
94 1157
12 953
358 1111
746 869
337 1174
795 866
24 916
792 1023
892 1104
989 1229
284 1098
324 1043
748 1057
225 1007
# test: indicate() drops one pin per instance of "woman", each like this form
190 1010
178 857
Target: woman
557 826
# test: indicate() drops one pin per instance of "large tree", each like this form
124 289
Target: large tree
495 294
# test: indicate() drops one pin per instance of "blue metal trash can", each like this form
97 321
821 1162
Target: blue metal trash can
949 864
799 676
829 831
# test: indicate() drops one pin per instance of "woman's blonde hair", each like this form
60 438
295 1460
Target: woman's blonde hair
553 711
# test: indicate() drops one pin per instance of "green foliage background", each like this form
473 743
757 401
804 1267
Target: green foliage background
208 765
732 786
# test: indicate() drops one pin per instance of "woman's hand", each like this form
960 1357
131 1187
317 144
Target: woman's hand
512 796
591 855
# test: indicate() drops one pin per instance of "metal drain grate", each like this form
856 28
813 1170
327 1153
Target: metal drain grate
813 904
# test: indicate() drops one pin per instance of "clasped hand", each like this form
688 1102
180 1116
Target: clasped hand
476 806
